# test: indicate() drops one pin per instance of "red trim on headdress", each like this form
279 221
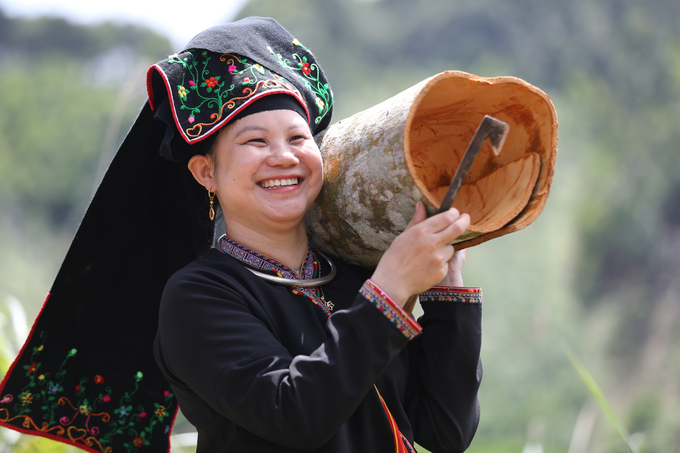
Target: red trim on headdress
216 127
149 86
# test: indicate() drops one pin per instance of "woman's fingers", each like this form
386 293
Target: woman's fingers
454 276
419 257
458 260
448 252
439 222
418 216
436 223
409 259
454 229
446 226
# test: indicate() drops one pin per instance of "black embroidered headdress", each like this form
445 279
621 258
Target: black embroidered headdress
86 375
198 91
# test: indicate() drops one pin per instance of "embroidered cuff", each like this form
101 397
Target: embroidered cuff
461 295
397 316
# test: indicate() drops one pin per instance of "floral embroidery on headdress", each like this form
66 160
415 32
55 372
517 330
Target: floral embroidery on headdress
311 77
213 87
225 69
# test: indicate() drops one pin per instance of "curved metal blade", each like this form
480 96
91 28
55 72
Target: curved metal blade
491 128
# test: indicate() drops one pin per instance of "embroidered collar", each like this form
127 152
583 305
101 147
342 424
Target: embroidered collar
262 262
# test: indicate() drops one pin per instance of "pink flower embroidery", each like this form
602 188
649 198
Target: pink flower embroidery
232 69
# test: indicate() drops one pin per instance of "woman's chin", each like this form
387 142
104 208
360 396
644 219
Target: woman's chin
287 215
285 210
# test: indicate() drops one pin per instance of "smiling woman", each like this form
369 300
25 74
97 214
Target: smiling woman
266 172
324 358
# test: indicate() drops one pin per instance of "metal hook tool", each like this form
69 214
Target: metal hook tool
491 128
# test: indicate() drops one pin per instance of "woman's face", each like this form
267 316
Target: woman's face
268 170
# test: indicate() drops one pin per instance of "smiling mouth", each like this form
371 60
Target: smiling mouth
274 183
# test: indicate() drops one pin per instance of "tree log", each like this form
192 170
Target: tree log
380 162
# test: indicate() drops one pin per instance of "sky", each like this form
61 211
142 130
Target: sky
178 20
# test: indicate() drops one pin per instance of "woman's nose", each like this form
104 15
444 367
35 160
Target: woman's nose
283 156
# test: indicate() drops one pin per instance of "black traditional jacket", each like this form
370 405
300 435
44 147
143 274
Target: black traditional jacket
256 368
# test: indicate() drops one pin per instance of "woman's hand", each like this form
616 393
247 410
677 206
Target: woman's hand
455 277
421 256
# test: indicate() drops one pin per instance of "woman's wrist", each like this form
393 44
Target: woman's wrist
395 313
452 279
390 288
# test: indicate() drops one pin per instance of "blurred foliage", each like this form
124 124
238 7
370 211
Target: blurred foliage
56 36
598 269
46 153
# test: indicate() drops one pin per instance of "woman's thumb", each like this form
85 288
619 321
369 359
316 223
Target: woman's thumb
418 216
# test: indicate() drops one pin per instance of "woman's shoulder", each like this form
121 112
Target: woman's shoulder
213 269
213 259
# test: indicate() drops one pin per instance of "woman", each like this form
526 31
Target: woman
330 365
337 366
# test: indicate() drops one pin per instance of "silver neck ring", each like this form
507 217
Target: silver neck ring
299 282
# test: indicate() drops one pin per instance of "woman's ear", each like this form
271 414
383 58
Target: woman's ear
201 167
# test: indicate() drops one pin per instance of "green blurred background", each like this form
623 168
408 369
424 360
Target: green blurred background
599 270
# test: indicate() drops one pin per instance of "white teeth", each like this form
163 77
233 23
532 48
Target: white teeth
279 183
